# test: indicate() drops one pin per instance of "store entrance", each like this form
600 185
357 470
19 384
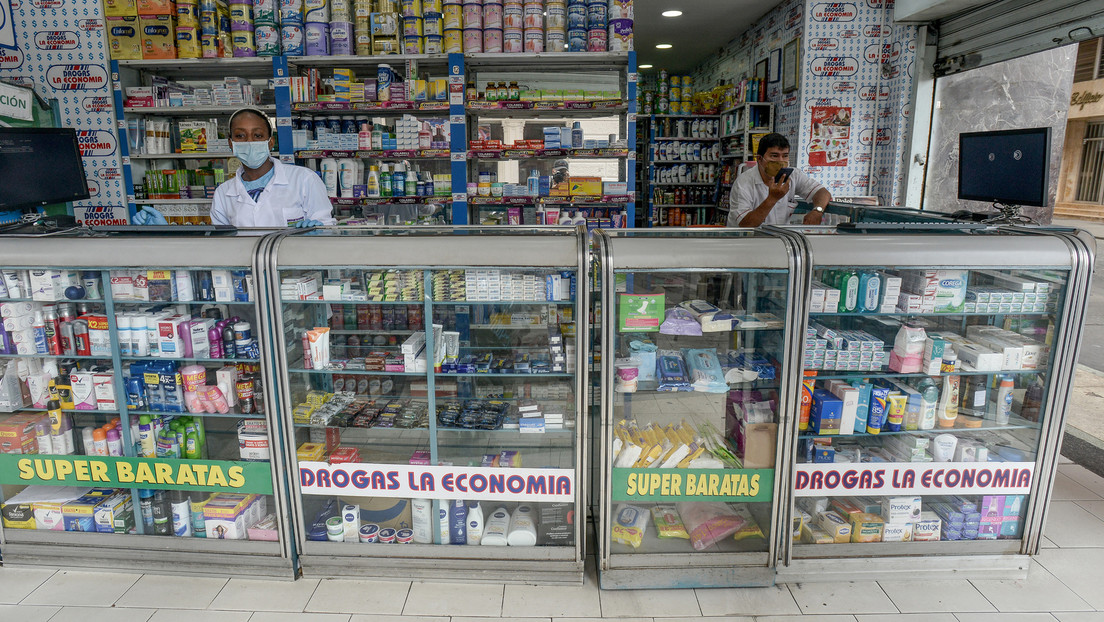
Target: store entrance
1090 181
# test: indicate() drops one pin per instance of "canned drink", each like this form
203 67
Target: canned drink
244 46
492 15
473 40
291 39
431 24
513 41
492 40
434 44
413 44
267 39
452 17
453 40
513 15
316 39
473 15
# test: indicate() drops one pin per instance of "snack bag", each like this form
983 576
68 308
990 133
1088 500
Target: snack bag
667 522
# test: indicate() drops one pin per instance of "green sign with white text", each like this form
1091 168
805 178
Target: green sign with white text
160 474
737 485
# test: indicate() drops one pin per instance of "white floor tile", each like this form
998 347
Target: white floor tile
1040 591
170 592
807 618
90 589
1078 569
708 619
935 596
1047 543
599 618
1096 508
1083 476
851 597
288 616
260 595
16 583
1070 525
907 617
1065 489
478 619
1005 617
348 596
1079 616
205 615
375 618
752 601
27 613
453 599
102 614
636 603
557 601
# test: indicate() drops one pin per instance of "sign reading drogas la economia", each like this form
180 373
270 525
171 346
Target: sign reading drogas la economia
743 485
208 475
924 478
437 482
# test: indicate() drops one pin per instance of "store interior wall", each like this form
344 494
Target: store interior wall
849 53
1032 91
62 54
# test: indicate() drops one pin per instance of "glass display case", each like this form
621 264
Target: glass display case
698 367
432 392
937 368
136 425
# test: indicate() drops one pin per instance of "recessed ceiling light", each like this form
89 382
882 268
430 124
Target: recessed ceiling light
643 66
663 46
671 13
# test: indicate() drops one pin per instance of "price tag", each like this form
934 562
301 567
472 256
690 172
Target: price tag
289 159
116 85
456 119
459 157
121 123
632 155
130 198
283 121
456 99
281 82
457 79
631 117
632 76
126 160
632 196
459 197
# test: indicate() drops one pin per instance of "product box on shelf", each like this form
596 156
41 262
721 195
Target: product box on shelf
123 38
17 433
120 8
158 37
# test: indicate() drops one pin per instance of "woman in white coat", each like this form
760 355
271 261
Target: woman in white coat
265 192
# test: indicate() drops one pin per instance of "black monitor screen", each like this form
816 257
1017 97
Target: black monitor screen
40 166
1008 166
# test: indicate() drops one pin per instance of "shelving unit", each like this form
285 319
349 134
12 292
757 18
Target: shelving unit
741 128
421 400
672 142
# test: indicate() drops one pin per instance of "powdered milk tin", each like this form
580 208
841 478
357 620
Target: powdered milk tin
243 44
473 40
620 35
473 15
513 41
413 44
341 38
291 39
434 44
492 15
316 39
267 39
453 40
432 24
534 40
452 17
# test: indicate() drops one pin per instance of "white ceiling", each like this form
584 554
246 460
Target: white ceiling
704 27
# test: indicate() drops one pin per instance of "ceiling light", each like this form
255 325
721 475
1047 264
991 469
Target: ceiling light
643 66
671 13
663 46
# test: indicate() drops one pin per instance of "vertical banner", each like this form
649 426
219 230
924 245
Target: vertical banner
830 135
57 48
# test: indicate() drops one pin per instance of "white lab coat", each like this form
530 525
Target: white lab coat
294 193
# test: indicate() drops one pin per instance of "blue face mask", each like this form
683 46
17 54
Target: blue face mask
252 154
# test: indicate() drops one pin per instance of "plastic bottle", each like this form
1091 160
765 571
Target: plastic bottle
146 440
39 330
496 528
523 529
475 523
929 400
443 521
42 436
870 292
849 292
373 189
974 396
346 177
199 523
947 412
385 181
145 506
1033 401
398 181
114 442
192 450
566 218
328 169
458 519
1004 400
421 511
180 506
576 135
87 442
162 514
533 183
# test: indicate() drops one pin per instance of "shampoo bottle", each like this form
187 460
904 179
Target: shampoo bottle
1004 400
421 511
373 189
496 528
329 176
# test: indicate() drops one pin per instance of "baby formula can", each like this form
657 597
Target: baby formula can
513 15
316 37
434 44
431 24
473 15
596 40
413 44
452 17
533 15
317 11
492 15
513 41
384 78
291 39
243 44
620 35
341 38
492 40
534 40
473 40
576 40
453 40
620 9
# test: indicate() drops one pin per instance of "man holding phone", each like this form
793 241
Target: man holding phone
765 194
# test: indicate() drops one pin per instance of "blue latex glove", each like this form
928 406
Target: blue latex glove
149 216
306 223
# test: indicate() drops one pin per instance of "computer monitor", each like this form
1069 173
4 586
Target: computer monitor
40 166
1009 167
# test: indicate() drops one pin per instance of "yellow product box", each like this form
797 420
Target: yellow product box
835 525
311 452
123 40
585 186
421 91
530 95
866 527
156 7
811 534
551 95
343 74
846 507
158 36
120 8
800 520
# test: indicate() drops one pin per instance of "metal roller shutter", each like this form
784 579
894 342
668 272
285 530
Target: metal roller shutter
1008 29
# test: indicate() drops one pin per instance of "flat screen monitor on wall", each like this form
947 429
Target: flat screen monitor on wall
40 166
1008 167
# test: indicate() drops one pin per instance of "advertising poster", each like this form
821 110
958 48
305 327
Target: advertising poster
830 133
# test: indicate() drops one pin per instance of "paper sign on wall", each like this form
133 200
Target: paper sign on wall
16 103
830 134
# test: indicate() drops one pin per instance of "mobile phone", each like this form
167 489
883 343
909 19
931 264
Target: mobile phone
783 175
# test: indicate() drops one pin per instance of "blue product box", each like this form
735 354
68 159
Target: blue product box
826 413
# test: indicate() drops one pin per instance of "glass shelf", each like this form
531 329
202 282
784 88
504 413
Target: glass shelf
185 302
352 302
836 375
960 314
52 302
81 357
988 425
230 415
187 359
503 302
72 411
356 372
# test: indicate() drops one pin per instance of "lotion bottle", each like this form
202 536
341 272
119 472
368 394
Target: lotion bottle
475 523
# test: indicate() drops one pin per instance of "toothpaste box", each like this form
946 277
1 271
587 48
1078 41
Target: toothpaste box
900 510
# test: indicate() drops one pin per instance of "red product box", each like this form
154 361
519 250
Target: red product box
17 434
343 455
